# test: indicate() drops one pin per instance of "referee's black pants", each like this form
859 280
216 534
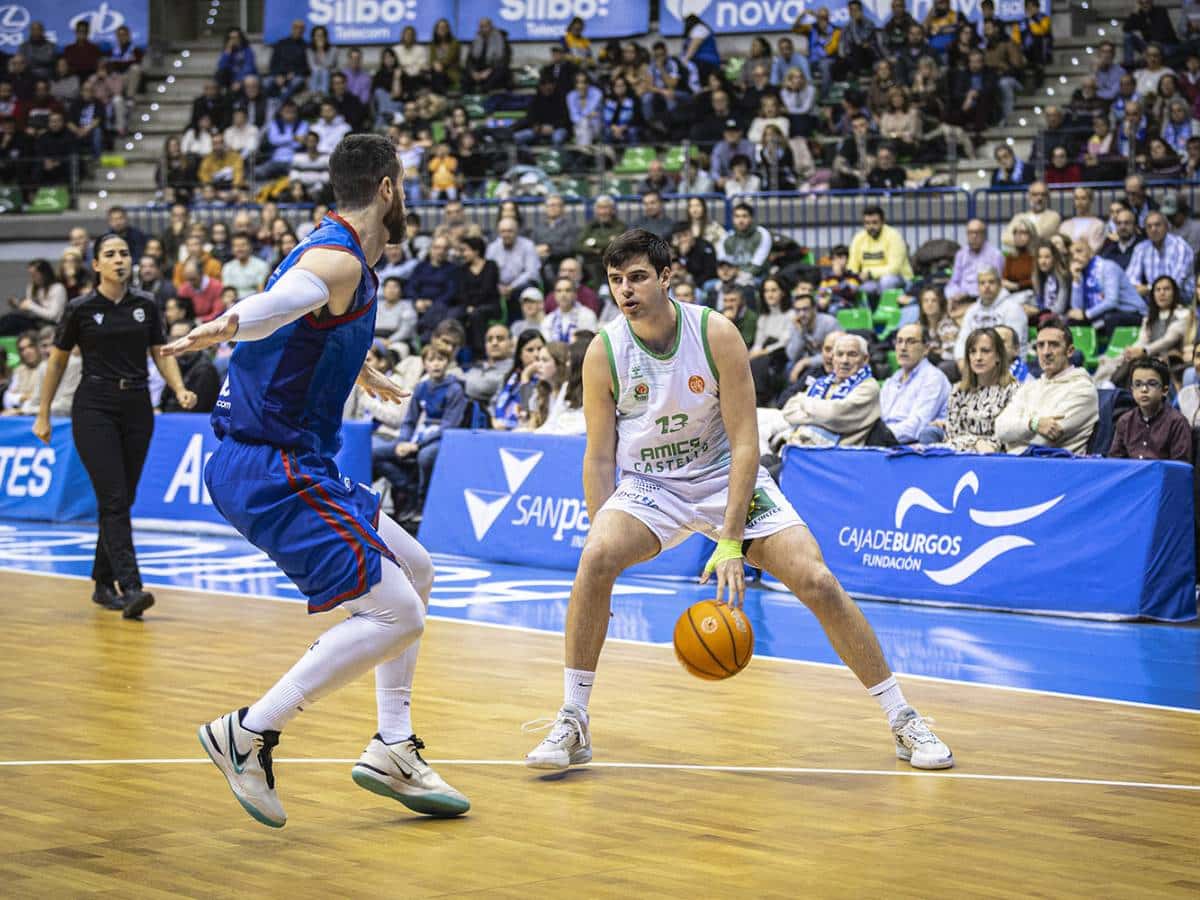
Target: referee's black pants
112 430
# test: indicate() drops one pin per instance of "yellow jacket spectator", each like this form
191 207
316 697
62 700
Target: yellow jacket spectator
879 255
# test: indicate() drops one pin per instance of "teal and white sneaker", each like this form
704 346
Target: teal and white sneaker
399 772
244 758
918 745
569 742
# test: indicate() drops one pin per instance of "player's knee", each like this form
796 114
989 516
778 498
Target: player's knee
822 590
600 560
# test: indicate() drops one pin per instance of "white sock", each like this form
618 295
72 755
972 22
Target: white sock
890 698
577 687
393 695
382 624
277 707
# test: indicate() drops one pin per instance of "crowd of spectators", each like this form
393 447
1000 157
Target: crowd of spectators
1137 112
62 106
827 106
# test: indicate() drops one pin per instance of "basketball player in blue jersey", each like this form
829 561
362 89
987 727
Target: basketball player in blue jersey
669 404
301 347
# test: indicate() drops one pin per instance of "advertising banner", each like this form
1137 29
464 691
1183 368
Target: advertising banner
38 481
733 16
104 17
352 22
1105 538
518 498
547 20
50 484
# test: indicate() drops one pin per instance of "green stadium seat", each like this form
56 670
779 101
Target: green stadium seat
854 319
1122 337
893 362
8 346
572 187
51 199
1084 338
635 161
549 161
888 300
674 159
889 317
437 130
1032 334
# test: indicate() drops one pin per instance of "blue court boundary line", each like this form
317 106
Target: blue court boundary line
660 644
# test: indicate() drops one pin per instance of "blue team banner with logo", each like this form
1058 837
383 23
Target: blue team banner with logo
42 482
1104 538
104 17
547 20
733 16
518 498
357 21
50 484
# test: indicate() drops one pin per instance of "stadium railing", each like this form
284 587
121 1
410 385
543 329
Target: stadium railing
818 219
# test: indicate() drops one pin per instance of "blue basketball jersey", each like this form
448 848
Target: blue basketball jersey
288 390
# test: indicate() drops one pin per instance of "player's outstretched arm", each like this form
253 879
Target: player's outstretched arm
323 277
741 425
600 414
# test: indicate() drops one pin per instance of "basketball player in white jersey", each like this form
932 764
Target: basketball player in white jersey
675 380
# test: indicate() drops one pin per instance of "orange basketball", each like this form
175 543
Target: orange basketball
713 641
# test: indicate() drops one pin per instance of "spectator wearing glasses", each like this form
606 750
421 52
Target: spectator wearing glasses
1153 429
916 393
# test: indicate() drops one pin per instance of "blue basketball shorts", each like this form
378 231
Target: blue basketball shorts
318 526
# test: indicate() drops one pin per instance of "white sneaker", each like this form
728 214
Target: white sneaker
919 746
398 771
244 758
569 742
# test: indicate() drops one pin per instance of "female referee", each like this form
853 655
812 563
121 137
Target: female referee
114 327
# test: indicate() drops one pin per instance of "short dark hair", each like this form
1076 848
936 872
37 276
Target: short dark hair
475 243
1157 366
636 242
1058 325
451 328
357 165
746 206
392 278
874 211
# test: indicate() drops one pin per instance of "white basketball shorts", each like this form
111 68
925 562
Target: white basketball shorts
672 512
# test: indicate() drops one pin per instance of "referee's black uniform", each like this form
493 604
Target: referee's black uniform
111 416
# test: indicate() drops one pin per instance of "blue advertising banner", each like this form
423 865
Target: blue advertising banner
518 498
1105 538
104 17
733 16
39 481
547 20
357 21
50 483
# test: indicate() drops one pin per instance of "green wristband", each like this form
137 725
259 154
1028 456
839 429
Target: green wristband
727 549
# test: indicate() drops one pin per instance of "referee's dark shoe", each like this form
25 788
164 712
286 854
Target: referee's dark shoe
105 596
136 603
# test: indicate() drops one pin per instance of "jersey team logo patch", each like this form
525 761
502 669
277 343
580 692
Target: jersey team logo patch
761 506
696 384
139 315
99 317
641 391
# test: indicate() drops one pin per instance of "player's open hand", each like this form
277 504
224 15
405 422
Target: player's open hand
204 336
726 561
379 386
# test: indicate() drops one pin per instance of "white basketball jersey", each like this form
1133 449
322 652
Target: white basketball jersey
668 416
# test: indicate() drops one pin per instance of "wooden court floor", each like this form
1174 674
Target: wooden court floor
845 820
